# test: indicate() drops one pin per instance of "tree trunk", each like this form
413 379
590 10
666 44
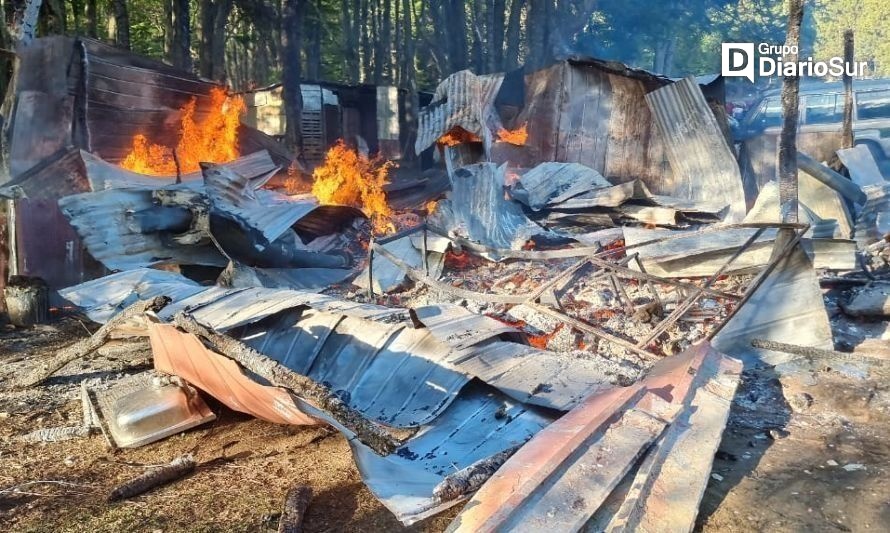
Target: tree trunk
92 19
479 28
847 131
313 55
292 22
496 36
511 59
386 43
366 52
182 35
349 10
121 24
212 61
536 28
457 22
169 30
790 111
409 83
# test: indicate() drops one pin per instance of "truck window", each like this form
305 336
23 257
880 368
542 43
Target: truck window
823 109
873 104
771 113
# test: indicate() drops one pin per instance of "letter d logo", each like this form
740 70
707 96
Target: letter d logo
737 60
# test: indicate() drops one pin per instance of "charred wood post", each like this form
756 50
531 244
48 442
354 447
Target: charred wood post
847 131
790 112
279 375
295 504
155 477
85 346
469 479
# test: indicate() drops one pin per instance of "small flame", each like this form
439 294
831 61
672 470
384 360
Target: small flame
350 178
294 183
458 135
431 207
212 140
517 137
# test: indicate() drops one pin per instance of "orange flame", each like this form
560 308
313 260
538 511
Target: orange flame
518 137
458 135
212 140
350 178
431 207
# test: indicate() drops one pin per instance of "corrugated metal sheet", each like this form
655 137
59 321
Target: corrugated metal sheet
462 100
104 221
786 307
554 183
183 355
861 163
565 474
477 209
873 221
704 164
103 298
104 175
480 423
533 376
459 328
389 373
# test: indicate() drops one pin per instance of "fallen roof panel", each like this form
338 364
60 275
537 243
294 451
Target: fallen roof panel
184 355
705 167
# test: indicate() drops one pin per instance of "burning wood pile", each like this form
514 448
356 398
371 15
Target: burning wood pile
555 338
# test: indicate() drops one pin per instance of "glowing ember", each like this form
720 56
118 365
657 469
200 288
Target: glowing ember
213 140
541 341
518 137
350 178
458 135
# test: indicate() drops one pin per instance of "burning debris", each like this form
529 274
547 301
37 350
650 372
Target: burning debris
349 178
213 139
557 337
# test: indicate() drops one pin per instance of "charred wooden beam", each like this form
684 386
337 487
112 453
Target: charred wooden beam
179 467
84 347
295 504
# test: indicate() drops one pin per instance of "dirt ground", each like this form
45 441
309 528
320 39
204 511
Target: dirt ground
803 452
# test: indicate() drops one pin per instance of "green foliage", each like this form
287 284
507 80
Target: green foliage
679 37
870 22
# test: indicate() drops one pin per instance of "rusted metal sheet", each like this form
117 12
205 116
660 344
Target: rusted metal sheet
61 174
668 487
566 472
704 164
183 354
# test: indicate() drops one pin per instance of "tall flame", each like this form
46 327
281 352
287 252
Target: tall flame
213 139
350 178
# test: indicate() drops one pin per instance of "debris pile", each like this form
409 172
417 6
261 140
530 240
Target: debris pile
557 338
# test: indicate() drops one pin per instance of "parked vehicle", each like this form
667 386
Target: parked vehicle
822 110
